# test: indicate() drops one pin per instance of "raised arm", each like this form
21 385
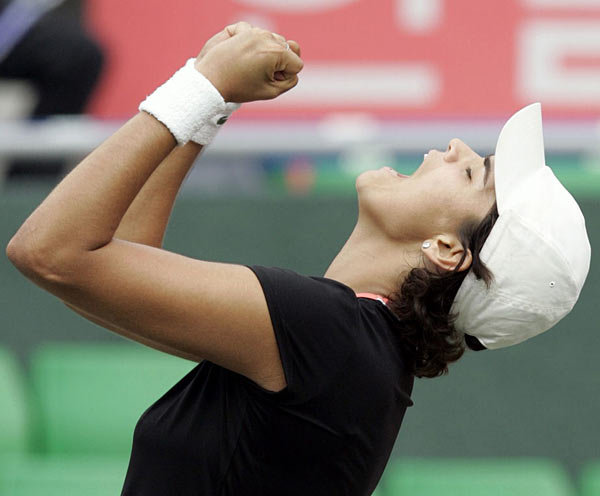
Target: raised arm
69 247
145 222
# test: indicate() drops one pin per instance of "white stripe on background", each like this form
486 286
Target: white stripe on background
562 4
541 72
365 84
302 6
419 16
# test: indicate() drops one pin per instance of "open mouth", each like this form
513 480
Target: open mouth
395 173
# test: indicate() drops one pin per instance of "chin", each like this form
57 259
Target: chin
364 179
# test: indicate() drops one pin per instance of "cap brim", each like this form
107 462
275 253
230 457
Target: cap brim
519 152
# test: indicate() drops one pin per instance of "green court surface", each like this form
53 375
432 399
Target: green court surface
86 398
90 397
14 412
590 479
476 477
62 476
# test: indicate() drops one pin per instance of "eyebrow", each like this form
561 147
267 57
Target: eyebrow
488 165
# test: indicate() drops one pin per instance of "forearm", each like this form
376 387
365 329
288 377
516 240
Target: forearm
81 216
147 217
84 211
77 223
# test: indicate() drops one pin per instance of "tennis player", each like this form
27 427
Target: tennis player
302 382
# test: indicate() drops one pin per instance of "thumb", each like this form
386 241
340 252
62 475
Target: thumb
294 46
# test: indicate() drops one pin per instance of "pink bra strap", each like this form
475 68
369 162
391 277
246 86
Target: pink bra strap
373 296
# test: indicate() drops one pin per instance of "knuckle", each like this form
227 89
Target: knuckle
294 46
231 29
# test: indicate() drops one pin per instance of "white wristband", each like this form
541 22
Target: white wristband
189 106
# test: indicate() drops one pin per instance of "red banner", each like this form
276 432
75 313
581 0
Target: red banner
392 58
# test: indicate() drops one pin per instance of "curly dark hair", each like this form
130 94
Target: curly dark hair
424 299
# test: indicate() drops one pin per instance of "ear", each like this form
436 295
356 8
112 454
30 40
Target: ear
444 252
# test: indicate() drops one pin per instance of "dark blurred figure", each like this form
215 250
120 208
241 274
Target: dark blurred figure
53 51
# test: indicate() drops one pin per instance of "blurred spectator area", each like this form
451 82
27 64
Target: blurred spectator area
374 93
18 97
49 65
318 156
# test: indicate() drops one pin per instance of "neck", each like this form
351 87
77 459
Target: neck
370 264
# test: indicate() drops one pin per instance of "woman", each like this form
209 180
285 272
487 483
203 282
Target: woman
305 381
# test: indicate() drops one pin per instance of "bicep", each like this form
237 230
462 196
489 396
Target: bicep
207 310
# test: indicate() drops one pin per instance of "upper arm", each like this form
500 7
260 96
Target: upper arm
208 310
135 337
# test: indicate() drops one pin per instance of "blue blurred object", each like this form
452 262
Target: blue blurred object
17 18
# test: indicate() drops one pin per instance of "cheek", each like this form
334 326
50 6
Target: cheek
443 206
451 191
455 209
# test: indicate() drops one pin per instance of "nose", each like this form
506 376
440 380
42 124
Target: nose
456 150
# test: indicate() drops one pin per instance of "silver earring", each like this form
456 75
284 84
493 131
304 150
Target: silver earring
426 244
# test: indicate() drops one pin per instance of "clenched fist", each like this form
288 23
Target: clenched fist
246 63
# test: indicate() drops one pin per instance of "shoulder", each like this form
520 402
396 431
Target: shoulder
299 282
316 324
307 297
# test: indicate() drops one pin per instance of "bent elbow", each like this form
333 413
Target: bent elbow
32 261
17 253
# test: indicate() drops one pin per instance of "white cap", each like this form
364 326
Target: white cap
538 250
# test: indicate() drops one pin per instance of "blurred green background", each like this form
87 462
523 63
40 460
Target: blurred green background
539 399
